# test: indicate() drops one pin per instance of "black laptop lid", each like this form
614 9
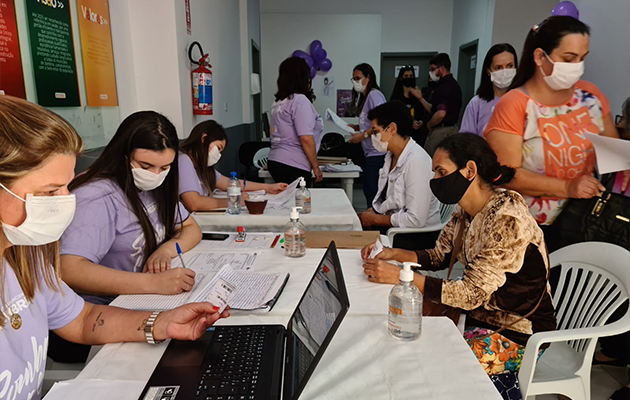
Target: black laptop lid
314 322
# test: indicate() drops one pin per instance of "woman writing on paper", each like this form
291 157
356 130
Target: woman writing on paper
37 157
197 174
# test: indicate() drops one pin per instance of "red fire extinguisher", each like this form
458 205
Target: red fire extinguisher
201 84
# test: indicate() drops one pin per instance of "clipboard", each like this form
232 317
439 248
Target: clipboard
343 239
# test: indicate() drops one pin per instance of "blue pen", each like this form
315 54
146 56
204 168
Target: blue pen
244 184
179 253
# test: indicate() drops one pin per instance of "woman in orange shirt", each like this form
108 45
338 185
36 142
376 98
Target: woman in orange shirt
540 126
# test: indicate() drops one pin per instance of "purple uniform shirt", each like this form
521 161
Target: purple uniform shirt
374 99
189 179
23 351
477 115
291 118
107 232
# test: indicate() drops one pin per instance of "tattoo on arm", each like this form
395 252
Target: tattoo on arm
99 321
142 325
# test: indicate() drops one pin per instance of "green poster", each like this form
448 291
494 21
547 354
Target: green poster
52 50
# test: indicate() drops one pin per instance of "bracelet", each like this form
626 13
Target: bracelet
148 328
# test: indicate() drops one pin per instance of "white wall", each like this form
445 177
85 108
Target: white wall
608 64
407 25
472 19
348 39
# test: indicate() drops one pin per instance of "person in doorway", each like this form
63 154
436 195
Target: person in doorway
405 90
38 152
539 126
296 127
404 198
446 105
505 286
499 70
197 174
366 96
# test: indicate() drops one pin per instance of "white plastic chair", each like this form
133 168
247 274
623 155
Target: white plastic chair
446 210
594 282
261 157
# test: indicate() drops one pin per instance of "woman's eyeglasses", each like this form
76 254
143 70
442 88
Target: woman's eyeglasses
618 119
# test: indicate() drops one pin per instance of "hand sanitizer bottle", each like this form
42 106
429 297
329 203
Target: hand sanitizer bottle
294 236
405 307
306 197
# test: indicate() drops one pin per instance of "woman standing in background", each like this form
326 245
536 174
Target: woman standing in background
366 96
499 70
405 90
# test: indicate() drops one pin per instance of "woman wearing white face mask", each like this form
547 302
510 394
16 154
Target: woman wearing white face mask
539 126
499 68
37 157
197 174
404 198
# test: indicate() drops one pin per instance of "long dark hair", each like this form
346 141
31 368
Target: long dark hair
485 89
197 149
358 99
546 36
464 147
294 77
399 93
141 130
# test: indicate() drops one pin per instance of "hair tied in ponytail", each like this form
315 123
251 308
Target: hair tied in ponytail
497 178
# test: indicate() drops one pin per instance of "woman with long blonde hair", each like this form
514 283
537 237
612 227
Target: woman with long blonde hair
38 151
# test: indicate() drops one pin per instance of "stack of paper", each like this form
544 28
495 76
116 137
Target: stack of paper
277 201
220 194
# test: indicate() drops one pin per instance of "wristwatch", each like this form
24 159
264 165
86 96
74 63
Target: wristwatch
148 328
365 134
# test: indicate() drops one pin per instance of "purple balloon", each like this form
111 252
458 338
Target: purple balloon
315 46
319 55
324 65
305 56
566 8
313 72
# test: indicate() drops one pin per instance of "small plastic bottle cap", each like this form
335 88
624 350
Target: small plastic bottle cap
294 213
233 174
406 274
302 182
239 229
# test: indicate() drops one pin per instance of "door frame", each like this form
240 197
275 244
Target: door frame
258 126
406 54
465 46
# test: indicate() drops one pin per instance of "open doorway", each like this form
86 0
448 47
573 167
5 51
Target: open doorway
392 62
466 72
257 99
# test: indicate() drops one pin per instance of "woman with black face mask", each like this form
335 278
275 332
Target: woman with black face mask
406 91
504 289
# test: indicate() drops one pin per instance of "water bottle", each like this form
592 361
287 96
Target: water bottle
294 236
234 194
405 307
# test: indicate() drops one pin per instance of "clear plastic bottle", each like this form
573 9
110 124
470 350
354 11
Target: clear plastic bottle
405 307
294 236
303 198
234 194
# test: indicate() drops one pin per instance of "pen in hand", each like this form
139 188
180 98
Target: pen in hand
179 254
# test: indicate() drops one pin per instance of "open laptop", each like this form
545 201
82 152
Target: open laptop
246 362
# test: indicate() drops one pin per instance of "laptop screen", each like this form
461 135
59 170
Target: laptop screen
312 326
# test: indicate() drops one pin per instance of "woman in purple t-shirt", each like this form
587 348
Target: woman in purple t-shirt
37 157
295 126
499 69
365 97
197 174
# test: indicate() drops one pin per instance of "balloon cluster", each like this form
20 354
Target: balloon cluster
566 8
317 60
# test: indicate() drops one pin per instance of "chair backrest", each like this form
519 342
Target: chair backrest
248 150
594 282
446 210
261 157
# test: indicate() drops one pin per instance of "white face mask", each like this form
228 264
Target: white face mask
213 156
503 78
378 144
358 86
147 180
433 76
564 74
47 217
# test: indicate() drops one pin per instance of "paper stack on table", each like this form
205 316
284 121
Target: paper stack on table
334 118
613 154
277 200
349 167
220 194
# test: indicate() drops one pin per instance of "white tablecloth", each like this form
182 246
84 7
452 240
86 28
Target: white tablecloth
331 211
362 362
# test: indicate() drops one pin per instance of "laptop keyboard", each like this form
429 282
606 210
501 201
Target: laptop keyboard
234 364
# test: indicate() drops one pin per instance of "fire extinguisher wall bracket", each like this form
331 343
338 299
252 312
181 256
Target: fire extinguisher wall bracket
190 50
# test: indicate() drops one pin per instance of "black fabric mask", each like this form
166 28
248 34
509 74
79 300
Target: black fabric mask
409 82
450 188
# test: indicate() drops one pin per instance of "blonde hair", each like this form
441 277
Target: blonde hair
30 135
